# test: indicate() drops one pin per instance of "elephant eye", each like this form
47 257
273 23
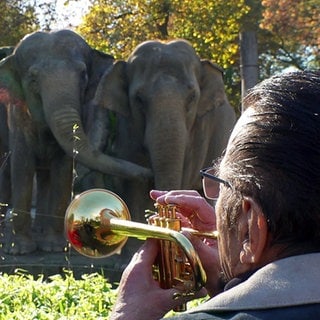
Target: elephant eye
139 99
84 77
192 96
83 82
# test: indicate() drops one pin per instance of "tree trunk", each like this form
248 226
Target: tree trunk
248 61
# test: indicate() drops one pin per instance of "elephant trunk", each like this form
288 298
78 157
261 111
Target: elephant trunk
166 139
68 130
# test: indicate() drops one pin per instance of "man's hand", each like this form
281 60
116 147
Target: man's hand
140 296
196 213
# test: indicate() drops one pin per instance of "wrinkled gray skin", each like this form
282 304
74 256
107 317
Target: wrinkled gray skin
51 78
173 115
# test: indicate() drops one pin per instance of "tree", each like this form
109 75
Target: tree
16 20
48 12
294 32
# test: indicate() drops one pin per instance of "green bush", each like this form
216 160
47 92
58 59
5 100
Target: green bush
60 297
22 296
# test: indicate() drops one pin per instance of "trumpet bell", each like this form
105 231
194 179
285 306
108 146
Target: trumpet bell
86 226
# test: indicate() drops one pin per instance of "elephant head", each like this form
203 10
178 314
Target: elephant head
54 75
173 113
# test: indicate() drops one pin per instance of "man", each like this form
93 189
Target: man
267 214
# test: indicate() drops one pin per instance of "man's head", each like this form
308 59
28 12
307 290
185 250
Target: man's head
272 162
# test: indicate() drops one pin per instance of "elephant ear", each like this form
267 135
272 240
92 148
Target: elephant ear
212 88
112 92
10 87
100 62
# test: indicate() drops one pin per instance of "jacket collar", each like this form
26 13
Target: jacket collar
287 282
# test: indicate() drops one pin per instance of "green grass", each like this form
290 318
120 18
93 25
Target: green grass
60 297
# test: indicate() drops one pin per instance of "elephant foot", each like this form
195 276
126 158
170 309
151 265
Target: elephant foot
19 244
52 243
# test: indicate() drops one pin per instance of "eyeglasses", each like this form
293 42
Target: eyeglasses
211 183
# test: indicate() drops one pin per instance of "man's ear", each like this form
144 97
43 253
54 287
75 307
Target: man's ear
257 232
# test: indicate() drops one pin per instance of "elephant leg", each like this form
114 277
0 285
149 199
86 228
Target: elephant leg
18 235
5 195
5 187
41 193
130 191
59 196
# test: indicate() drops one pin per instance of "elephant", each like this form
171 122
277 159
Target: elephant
48 83
172 115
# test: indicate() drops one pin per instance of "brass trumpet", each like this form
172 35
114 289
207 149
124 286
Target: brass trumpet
97 225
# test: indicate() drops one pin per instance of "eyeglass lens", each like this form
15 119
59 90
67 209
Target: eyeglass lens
211 187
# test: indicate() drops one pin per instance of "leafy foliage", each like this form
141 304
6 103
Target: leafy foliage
61 297
16 20
23 296
296 31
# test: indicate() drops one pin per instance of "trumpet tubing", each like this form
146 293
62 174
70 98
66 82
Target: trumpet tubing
172 268
97 225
